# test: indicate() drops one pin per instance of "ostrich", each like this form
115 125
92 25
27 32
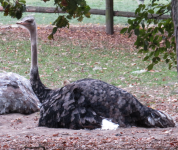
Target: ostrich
16 95
86 102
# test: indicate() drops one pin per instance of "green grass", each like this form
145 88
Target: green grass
72 62
120 5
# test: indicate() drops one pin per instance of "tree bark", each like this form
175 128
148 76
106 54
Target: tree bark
109 17
175 21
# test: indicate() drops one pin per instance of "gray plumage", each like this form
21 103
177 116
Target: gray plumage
84 103
16 95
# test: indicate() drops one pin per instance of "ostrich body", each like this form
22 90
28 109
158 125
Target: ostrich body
84 103
16 95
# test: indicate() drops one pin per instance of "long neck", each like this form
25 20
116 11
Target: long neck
34 74
34 55
38 87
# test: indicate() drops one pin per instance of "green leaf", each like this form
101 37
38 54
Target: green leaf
80 18
22 2
18 15
61 21
151 54
145 15
155 60
167 44
146 58
155 30
130 29
156 54
143 25
170 66
155 41
50 37
45 0
141 51
137 31
165 55
151 38
150 67
130 21
151 11
124 30
145 45
137 10
54 30
161 30
167 60
87 15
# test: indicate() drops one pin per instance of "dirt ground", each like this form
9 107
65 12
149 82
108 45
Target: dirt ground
19 131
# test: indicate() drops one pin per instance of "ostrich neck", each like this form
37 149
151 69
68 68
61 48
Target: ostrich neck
38 87
34 56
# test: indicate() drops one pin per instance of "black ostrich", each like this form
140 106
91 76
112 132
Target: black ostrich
84 103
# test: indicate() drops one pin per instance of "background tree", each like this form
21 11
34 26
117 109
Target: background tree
75 9
175 20
154 36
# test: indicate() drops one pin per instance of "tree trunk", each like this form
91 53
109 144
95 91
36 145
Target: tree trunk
109 17
175 21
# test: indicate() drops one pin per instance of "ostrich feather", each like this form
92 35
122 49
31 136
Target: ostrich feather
16 95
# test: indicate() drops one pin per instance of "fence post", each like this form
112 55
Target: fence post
109 17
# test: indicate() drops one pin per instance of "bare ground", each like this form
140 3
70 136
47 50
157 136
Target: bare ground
19 131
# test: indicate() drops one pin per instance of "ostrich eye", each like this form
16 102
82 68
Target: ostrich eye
29 21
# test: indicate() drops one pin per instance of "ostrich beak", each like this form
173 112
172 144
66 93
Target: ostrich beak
21 23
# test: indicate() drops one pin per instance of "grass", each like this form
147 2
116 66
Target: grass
44 19
71 61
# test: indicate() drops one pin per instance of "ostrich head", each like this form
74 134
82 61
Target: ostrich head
28 22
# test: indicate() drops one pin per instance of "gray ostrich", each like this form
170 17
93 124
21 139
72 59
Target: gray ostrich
86 102
16 95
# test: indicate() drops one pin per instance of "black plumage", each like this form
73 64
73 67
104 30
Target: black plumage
85 103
